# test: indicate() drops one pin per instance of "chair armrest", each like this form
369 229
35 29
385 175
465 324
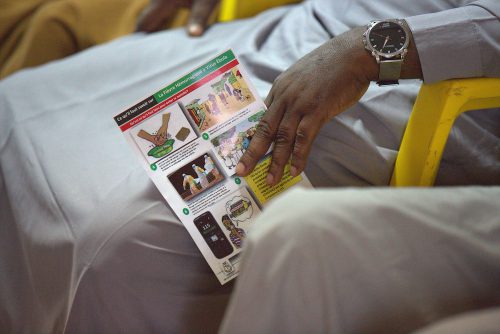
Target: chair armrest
238 9
435 110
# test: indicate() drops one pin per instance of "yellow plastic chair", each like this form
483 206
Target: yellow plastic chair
238 9
435 110
229 10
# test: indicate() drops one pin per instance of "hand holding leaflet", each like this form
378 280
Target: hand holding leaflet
214 111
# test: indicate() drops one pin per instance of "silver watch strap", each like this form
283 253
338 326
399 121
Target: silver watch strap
390 71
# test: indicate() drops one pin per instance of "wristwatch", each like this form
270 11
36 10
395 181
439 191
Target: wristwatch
388 42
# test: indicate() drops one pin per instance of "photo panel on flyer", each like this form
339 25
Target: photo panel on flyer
218 100
237 210
225 225
231 144
196 176
163 133
213 235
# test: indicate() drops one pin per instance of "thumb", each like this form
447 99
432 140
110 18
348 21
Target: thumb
200 13
155 16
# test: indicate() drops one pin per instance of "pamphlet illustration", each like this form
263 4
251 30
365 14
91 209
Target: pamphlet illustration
239 209
219 99
192 179
231 144
236 234
189 136
213 235
163 133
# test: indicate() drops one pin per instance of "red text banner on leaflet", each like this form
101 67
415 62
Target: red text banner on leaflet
169 99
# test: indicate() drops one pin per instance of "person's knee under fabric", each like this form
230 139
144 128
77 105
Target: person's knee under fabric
485 321
59 28
355 255
49 34
150 253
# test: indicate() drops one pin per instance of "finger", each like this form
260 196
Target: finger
269 98
261 140
200 13
307 131
155 16
283 144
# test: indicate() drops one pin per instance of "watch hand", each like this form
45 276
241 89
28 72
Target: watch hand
377 34
386 40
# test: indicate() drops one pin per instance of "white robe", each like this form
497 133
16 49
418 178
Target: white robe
369 261
88 245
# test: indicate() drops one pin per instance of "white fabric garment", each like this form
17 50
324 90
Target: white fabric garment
478 322
88 243
368 261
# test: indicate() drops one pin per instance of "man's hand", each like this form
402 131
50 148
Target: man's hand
318 87
155 16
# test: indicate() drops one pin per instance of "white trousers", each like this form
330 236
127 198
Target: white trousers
368 261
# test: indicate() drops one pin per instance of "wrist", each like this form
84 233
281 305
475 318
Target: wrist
361 64
367 64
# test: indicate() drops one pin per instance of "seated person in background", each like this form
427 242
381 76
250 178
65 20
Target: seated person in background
34 32
91 247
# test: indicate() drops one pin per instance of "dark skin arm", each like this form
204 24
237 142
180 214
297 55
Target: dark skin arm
318 87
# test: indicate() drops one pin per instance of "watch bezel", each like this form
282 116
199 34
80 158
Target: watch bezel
377 54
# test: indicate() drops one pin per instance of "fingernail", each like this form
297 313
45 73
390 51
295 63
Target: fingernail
293 171
195 29
270 179
240 168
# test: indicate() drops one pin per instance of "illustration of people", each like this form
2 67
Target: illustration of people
210 166
228 89
236 234
226 154
249 134
189 183
239 147
246 143
161 135
223 98
238 94
202 177
215 106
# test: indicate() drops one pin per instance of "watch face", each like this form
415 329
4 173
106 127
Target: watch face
387 37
